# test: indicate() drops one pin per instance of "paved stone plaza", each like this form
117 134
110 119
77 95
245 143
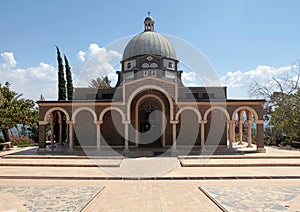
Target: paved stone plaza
222 183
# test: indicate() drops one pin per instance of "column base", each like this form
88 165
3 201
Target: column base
261 150
126 150
42 149
249 145
230 150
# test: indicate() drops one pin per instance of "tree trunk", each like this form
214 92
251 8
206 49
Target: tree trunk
6 135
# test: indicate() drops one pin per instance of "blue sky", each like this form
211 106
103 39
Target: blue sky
236 36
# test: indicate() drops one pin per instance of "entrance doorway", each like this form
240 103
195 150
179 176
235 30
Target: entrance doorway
150 123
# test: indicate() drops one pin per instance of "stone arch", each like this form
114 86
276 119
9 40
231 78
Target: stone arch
55 109
111 108
254 113
189 108
145 87
220 108
112 129
82 109
137 117
188 132
216 129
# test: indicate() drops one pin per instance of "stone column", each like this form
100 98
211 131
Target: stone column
60 127
202 131
163 131
52 129
42 135
241 127
233 130
260 136
249 122
137 137
70 131
98 131
174 123
231 133
126 123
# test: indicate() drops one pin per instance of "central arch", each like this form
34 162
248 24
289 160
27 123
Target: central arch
146 87
139 118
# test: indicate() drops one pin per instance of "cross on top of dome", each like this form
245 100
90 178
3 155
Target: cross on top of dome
149 23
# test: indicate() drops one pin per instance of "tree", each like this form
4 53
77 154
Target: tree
14 111
282 104
277 88
286 117
70 87
61 77
98 82
6 113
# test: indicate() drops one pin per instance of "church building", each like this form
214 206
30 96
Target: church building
150 107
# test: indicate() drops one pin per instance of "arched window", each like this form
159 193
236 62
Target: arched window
128 65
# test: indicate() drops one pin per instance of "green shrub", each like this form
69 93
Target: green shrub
21 141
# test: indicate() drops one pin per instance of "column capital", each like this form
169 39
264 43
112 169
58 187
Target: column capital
43 122
125 122
98 122
249 121
174 122
203 122
70 122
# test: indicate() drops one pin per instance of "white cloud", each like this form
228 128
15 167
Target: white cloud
96 62
31 82
42 79
238 82
81 56
9 60
188 77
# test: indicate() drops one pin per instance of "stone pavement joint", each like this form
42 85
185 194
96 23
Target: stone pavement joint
213 200
150 178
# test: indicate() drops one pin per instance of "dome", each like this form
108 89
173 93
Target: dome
149 18
149 42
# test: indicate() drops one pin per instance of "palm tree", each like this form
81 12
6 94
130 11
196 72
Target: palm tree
98 82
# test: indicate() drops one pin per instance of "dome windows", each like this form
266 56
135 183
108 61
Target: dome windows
128 65
146 73
153 65
149 58
169 64
145 65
